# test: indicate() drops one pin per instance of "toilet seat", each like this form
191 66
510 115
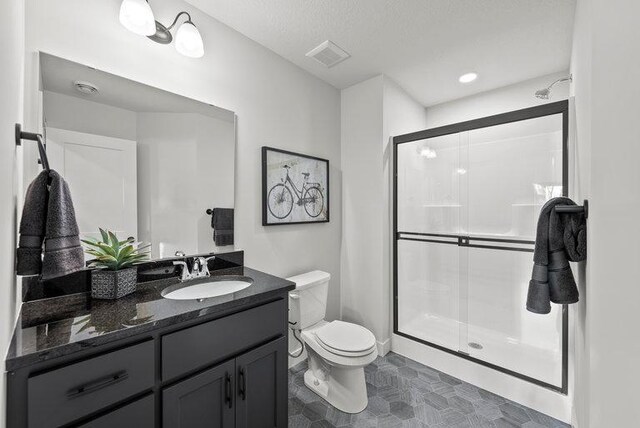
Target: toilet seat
346 339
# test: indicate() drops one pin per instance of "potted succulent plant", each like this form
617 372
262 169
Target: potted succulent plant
115 273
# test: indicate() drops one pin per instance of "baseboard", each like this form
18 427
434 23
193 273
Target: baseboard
383 347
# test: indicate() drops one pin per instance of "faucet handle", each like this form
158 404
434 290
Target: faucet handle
204 265
185 274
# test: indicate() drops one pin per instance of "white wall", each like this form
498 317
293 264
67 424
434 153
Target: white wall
580 189
81 115
372 111
12 59
363 207
277 104
502 100
196 150
605 62
402 115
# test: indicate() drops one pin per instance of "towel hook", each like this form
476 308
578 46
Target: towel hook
573 209
31 136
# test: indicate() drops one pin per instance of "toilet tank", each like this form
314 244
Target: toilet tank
308 302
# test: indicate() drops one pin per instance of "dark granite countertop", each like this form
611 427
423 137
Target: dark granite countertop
55 327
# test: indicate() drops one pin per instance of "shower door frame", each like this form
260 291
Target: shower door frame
559 107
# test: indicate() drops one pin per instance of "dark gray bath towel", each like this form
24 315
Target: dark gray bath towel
560 238
222 223
48 216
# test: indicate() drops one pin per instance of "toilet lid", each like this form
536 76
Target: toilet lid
346 337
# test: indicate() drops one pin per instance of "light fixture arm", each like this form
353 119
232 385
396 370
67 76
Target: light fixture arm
175 21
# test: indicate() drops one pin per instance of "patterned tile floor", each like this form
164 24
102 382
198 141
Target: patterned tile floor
406 394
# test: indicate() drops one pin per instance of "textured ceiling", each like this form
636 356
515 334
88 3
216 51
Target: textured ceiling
424 45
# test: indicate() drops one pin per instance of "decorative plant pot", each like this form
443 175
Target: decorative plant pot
113 284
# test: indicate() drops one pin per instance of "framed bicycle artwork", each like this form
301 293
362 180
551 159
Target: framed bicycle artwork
295 188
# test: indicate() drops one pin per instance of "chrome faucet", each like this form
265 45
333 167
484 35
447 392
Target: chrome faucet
199 268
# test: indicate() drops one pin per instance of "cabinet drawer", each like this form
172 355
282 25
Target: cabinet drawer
63 395
208 343
139 414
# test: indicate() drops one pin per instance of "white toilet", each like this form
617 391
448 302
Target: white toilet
338 351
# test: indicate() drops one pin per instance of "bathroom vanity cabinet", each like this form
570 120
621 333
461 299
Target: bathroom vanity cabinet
244 392
225 370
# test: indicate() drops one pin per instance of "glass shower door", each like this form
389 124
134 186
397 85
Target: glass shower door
466 210
514 169
428 262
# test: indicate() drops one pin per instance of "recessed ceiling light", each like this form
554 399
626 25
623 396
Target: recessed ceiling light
468 77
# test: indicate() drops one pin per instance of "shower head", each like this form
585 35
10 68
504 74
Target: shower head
545 94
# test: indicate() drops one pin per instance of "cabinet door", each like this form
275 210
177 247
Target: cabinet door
262 386
205 400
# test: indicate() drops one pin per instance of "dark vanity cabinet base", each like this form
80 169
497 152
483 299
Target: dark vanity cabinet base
204 400
249 391
139 414
227 370
262 386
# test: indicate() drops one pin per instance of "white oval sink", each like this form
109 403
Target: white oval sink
212 288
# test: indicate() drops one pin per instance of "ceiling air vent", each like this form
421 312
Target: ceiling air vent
86 88
328 54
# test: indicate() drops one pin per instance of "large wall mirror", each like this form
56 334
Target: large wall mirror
139 161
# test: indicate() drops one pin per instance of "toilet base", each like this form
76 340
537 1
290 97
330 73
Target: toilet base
343 388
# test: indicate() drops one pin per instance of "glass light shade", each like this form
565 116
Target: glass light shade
188 41
137 16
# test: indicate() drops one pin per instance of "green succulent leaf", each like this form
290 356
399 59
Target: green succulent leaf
113 254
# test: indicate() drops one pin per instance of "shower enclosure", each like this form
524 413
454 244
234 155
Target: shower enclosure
466 203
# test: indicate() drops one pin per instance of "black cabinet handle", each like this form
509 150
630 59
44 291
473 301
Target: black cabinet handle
227 388
97 384
242 384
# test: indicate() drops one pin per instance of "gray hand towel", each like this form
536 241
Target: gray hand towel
560 238
49 216
222 224
63 253
32 227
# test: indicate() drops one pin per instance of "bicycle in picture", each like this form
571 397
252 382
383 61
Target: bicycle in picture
281 196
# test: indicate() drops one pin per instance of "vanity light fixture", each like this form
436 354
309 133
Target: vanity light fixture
468 77
136 14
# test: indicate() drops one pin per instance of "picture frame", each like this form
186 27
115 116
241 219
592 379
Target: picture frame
295 188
